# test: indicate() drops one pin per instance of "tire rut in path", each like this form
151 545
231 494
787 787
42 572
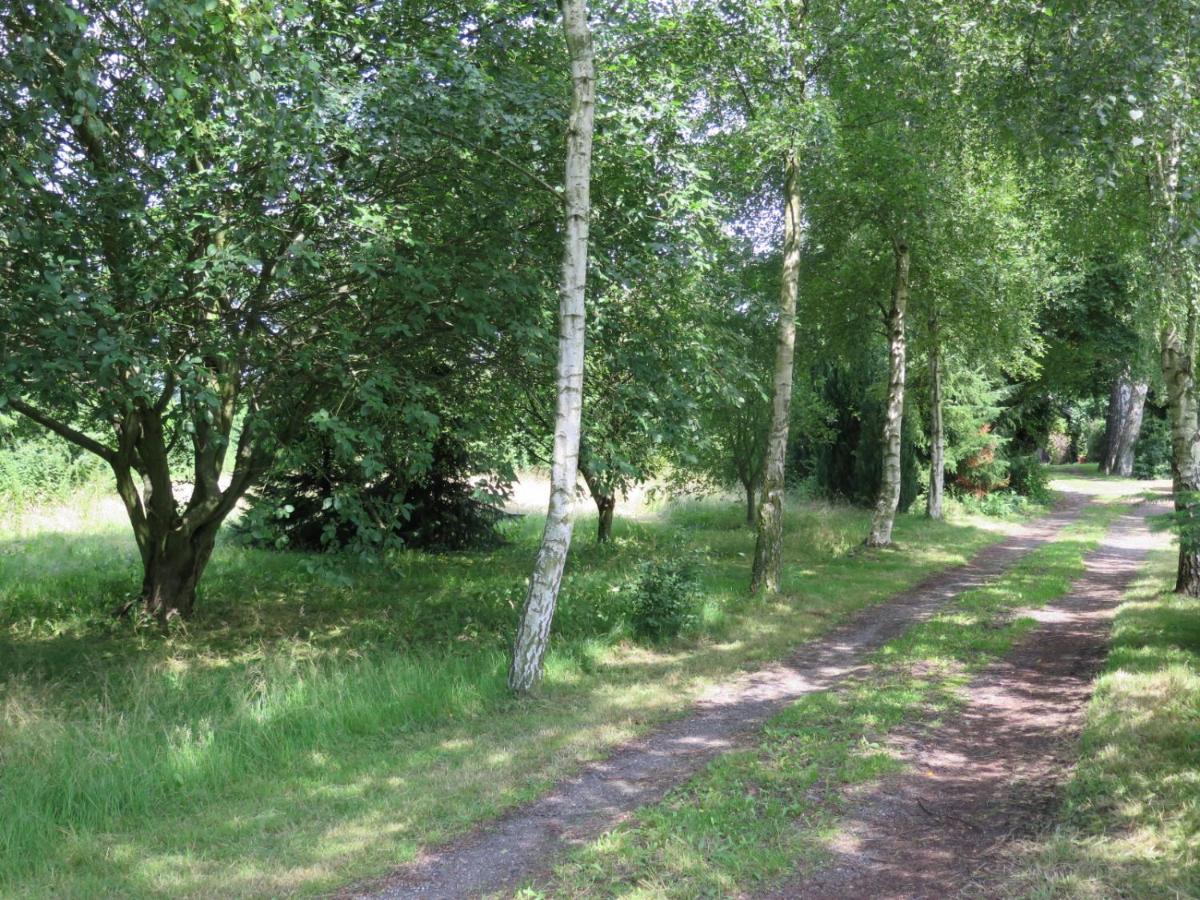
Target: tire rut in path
994 770
501 854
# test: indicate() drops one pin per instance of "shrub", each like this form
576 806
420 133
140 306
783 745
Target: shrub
327 503
985 469
1029 478
847 459
999 504
36 467
664 601
1152 455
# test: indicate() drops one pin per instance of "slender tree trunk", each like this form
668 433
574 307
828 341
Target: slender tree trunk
751 489
889 488
1178 367
937 437
1124 423
533 632
1110 424
605 504
768 546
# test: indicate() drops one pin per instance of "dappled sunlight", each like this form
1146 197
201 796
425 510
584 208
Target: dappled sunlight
1085 479
1133 806
295 727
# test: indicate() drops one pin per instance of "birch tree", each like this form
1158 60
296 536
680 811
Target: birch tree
884 516
533 631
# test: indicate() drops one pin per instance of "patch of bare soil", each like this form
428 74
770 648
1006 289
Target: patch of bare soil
994 771
501 854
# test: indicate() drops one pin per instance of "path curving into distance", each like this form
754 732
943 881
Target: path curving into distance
501 854
993 770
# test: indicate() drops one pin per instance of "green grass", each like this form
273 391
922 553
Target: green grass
321 719
1131 823
753 816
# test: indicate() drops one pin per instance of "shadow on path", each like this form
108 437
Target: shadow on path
503 853
994 770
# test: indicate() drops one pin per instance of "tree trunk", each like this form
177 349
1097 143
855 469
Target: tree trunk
1110 424
751 490
768 546
605 504
937 436
533 632
889 488
173 570
1178 367
1123 425
604 496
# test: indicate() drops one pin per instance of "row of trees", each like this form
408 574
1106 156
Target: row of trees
240 240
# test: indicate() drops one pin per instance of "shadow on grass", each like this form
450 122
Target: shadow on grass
322 717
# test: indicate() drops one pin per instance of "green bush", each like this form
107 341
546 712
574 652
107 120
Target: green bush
38 467
1152 455
664 601
847 461
1000 504
1029 478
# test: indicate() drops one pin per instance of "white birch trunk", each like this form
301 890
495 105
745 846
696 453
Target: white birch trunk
1178 367
889 488
1178 357
768 546
533 632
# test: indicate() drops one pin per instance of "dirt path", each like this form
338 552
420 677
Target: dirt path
501 854
994 771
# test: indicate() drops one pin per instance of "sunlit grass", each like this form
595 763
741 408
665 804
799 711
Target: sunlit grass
323 718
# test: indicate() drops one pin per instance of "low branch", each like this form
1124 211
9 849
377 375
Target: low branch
64 431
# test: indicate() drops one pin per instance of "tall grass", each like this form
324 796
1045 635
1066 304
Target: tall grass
302 675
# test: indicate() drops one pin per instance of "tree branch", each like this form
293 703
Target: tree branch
64 431
495 154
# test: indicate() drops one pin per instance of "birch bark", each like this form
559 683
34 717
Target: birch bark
888 500
533 632
768 546
937 432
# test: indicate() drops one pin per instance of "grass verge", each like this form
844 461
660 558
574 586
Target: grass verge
752 816
322 719
1130 826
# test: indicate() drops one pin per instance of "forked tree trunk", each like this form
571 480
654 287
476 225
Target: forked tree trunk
605 499
173 570
768 546
1178 367
937 435
889 487
1124 423
533 632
